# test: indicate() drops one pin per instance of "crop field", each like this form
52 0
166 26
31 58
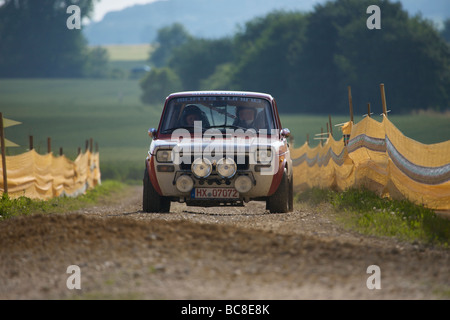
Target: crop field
70 111
123 58
136 52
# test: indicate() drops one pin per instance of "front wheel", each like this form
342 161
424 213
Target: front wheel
282 200
151 200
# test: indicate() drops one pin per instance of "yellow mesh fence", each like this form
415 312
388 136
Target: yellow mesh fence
378 157
45 176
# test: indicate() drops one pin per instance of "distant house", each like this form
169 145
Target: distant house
139 71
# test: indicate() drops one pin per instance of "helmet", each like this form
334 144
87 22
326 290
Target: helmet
191 109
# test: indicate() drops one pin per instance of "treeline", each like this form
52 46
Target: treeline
307 60
36 43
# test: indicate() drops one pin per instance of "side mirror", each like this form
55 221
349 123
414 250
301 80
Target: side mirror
285 133
152 133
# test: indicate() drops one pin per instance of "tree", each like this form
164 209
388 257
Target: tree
167 40
158 84
445 33
406 54
197 59
35 40
307 60
97 63
269 48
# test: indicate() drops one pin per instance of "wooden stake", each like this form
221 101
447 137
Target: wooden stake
331 127
350 102
31 142
49 145
368 109
3 147
383 99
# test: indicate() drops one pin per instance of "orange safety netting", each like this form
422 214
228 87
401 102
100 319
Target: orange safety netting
379 157
45 176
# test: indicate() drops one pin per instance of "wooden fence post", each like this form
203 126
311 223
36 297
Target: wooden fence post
329 120
3 148
383 99
31 143
350 102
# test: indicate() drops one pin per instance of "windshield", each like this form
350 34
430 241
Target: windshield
221 112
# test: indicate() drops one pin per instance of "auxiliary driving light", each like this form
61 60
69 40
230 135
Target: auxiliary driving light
226 167
201 167
184 183
243 184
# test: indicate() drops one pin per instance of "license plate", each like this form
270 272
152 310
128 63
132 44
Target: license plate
214 193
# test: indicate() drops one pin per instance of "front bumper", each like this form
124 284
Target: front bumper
166 176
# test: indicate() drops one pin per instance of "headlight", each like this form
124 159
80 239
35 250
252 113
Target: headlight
243 184
263 155
201 168
226 167
164 155
184 183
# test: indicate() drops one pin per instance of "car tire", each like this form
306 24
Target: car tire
151 200
282 200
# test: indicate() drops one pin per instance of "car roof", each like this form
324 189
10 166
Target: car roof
221 93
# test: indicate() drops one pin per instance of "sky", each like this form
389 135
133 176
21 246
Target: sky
104 6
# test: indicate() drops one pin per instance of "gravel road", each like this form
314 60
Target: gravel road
209 253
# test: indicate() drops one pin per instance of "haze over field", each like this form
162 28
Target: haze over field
136 22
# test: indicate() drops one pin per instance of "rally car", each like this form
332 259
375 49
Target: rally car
216 148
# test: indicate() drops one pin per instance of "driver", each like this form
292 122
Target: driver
245 117
191 114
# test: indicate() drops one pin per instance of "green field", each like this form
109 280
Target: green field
71 111
109 111
427 128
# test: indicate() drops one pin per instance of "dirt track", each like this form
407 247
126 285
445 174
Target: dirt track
208 253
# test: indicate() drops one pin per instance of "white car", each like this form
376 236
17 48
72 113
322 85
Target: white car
218 149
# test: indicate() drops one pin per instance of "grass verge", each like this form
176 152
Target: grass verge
24 206
367 213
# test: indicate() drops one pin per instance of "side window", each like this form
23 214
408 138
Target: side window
171 116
